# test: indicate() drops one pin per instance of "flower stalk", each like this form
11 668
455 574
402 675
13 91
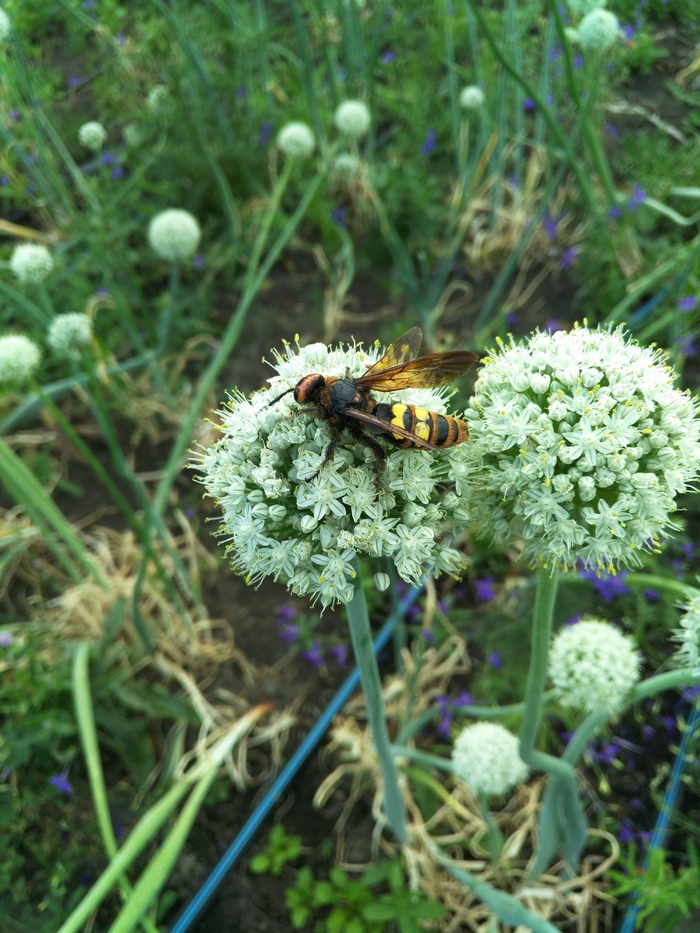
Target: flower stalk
361 636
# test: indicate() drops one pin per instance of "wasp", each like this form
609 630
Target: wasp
348 404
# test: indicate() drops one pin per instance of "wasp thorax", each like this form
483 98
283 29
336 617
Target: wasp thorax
307 389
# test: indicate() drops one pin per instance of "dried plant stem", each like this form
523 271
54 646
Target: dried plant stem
361 635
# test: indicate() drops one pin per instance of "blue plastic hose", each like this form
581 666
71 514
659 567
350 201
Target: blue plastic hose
664 818
279 785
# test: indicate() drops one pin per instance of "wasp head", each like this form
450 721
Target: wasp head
306 390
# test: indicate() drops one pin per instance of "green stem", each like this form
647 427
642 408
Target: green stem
565 828
361 635
495 840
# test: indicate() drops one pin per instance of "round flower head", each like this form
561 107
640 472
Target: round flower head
688 637
296 139
158 99
471 98
579 445
353 118
92 135
69 332
174 234
5 26
19 357
598 31
593 666
31 262
307 534
346 167
485 756
582 7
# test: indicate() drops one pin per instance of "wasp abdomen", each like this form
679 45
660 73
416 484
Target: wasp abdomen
429 426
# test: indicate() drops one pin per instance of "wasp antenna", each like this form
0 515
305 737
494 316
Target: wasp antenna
286 392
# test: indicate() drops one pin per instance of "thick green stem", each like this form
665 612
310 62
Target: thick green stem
361 635
562 826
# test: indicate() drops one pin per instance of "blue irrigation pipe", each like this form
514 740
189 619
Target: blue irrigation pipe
664 818
279 785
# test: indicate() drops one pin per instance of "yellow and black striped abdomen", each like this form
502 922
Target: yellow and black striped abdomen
438 430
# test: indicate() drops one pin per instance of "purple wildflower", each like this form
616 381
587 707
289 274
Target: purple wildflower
607 585
687 303
625 833
549 225
615 212
637 197
14 115
484 589
75 81
340 653
686 345
388 57
574 619
4 180
652 595
495 660
443 727
6 639
463 699
286 612
62 784
338 216
198 262
265 132
313 655
529 104
578 61
688 549
628 31
118 171
429 144
569 257
552 326
188 512
611 130
289 633
428 636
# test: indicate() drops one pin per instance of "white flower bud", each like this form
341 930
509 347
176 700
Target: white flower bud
382 581
353 118
174 235
31 262
593 666
485 756
92 135
471 98
540 383
598 31
68 333
296 140
19 357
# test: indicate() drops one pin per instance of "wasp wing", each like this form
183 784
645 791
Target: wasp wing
436 369
387 427
401 351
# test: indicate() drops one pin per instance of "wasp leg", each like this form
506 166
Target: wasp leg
327 457
376 448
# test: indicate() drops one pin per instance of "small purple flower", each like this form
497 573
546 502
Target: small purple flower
340 653
286 612
106 158
6 639
289 633
686 345
511 318
574 619
338 216
463 699
429 144
529 104
14 115
615 212
495 660
62 784
637 197
118 171
687 303
549 225
265 132
443 727
688 549
552 326
578 61
607 585
313 655
198 262
388 57
569 257
628 31
4 180
652 595
428 636
611 130
102 293
75 81
484 589
608 753
189 512
625 833
690 693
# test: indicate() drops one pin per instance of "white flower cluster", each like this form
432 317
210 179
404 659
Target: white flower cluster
598 31
471 98
486 757
31 263
308 533
593 666
158 100
174 234
688 637
580 445
296 140
5 26
19 357
68 333
92 135
353 118
582 7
